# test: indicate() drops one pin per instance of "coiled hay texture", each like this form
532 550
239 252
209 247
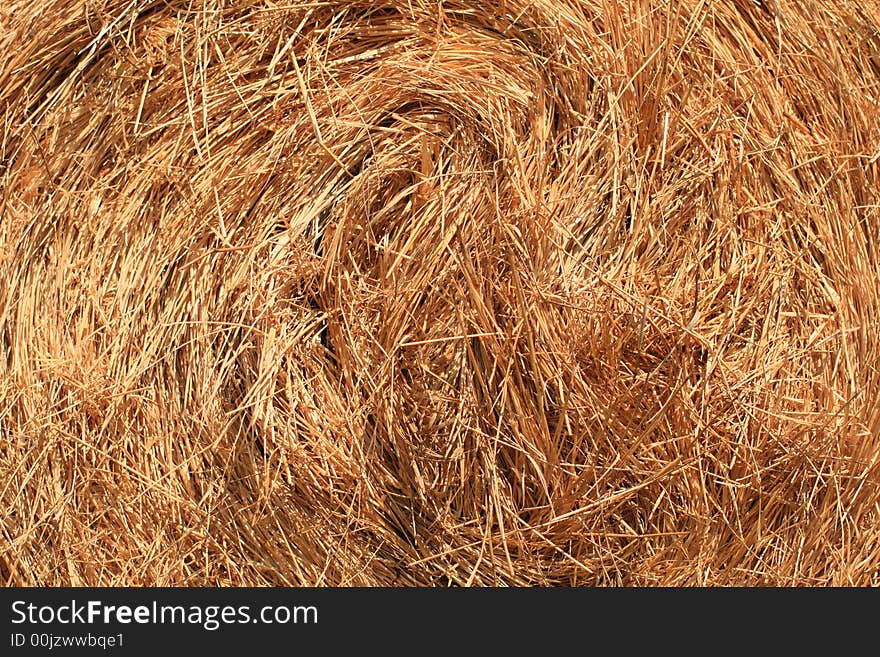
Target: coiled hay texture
391 292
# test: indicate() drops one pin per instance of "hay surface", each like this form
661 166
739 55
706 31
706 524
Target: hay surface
429 293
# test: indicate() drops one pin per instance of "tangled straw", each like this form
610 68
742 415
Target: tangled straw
429 293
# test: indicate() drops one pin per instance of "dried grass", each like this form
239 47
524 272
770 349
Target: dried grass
429 293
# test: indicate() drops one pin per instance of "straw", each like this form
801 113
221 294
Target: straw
422 293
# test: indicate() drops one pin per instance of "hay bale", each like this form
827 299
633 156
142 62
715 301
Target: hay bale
430 293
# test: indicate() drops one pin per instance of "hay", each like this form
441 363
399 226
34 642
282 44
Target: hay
429 293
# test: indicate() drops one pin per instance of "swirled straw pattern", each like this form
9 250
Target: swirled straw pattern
397 292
